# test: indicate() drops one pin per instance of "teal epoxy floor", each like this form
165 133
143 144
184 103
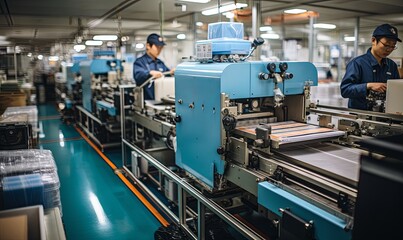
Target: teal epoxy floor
95 202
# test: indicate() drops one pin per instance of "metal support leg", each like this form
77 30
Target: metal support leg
201 231
182 206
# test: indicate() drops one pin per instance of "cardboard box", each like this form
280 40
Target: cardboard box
12 99
15 227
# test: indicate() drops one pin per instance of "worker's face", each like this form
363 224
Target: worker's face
383 47
154 50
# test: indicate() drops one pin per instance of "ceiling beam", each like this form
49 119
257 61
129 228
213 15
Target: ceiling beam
5 9
115 10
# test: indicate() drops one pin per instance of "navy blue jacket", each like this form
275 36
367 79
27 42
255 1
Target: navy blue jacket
362 70
141 71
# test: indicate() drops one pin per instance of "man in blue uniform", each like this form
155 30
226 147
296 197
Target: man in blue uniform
370 72
149 65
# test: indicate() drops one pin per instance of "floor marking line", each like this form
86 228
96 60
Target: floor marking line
136 192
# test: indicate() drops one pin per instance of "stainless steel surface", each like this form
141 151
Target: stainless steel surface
332 160
154 125
201 221
189 189
356 112
238 151
244 178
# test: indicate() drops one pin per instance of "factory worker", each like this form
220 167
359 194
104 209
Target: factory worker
149 65
371 71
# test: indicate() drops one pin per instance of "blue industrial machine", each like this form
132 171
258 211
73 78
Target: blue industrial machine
204 90
101 81
99 114
234 118
244 135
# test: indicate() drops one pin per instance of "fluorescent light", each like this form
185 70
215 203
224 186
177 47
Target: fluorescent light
79 47
4 43
181 36
139 45
349 39
199 24
224 8
324 26
295 11
229 15
270 35
53 58
93 43
196 1
105 37
265 28
175 24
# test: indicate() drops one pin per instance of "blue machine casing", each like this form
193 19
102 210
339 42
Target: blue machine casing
227 46
326 225
101 66
107 106
96 66
200 85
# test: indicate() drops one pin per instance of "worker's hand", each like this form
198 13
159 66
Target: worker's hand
172 72
156 74
377 86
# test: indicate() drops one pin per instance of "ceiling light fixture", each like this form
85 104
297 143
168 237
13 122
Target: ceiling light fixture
224 8
93 43
295 11
181 36
4 43
79 47
105 37
270 35
349 39
265 28
229 15
139 45
199 24
53 58
324 25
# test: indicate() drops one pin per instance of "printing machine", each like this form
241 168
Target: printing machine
249 127
99 114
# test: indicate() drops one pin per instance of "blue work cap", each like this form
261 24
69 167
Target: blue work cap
155 39
386 30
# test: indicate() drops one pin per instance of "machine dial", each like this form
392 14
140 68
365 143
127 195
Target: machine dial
255 104
283 67
263 76
271 67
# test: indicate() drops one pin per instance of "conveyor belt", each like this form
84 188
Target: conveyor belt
291 132
334 161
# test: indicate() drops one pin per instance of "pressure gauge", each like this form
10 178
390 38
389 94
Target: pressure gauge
283 67
255 104
271 67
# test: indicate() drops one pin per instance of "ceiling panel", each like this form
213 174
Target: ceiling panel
49 21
